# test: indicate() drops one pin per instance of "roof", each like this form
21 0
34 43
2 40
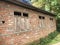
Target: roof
25 1
18 3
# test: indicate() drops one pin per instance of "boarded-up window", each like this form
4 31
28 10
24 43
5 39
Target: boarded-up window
41 22
21 22
27 24
51 23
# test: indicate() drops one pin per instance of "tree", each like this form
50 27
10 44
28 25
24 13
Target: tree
52 6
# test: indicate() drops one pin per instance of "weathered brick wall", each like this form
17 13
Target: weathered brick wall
8 35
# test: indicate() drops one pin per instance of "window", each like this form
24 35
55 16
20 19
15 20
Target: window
41 22
51 19
27 24
41 17
25 14
21 23
51 23
17 13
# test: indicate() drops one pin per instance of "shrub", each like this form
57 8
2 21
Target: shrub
58 24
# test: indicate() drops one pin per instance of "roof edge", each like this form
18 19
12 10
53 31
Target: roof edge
29 7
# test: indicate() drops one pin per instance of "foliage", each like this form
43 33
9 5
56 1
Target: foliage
58 24
52 6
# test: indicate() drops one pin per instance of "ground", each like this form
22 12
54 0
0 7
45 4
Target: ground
56 44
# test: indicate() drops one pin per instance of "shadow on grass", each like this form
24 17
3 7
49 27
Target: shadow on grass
46 40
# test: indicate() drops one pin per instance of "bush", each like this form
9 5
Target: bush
58 24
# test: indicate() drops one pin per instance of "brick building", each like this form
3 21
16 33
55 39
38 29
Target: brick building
22 23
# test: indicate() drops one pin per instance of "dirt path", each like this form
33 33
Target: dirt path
57 43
